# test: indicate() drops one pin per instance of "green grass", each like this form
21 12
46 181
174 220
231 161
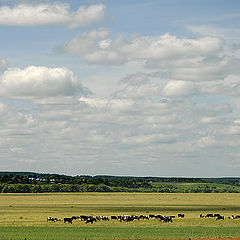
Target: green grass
24 215
76 233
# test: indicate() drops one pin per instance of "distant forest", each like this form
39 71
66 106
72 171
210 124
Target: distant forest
30 182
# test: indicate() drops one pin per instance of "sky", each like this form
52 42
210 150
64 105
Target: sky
130 87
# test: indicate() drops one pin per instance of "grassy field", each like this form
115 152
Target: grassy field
25 215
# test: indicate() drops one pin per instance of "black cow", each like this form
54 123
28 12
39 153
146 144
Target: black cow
220 217
69 220
181 215
114 217
91 220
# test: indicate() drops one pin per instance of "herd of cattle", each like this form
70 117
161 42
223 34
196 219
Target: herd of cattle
218 216
128 218
125 218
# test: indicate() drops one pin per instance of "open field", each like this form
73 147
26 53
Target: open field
26 214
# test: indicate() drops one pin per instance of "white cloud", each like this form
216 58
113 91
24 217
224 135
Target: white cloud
103 50
179 89
208 69
49 14
39 81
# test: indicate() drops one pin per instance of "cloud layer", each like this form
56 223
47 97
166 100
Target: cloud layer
50 14
102 50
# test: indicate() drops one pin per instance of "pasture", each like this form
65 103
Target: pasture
26 215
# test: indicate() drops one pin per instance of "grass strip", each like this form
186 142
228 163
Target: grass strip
92 232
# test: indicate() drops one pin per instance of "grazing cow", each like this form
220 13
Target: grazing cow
114 217
50 219
58 219
201 216
69 220
220 217
91 220
180 215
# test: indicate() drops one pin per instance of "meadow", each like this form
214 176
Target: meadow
25 215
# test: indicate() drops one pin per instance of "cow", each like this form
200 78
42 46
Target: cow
69 220
220 217
167 219
181 215
50 219
91 220
114 217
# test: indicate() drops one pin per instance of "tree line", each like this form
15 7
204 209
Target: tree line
28 182
44 188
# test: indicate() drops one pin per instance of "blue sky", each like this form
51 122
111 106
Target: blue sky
144 88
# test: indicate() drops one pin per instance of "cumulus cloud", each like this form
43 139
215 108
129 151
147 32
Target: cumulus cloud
103 50
50 14
39 81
